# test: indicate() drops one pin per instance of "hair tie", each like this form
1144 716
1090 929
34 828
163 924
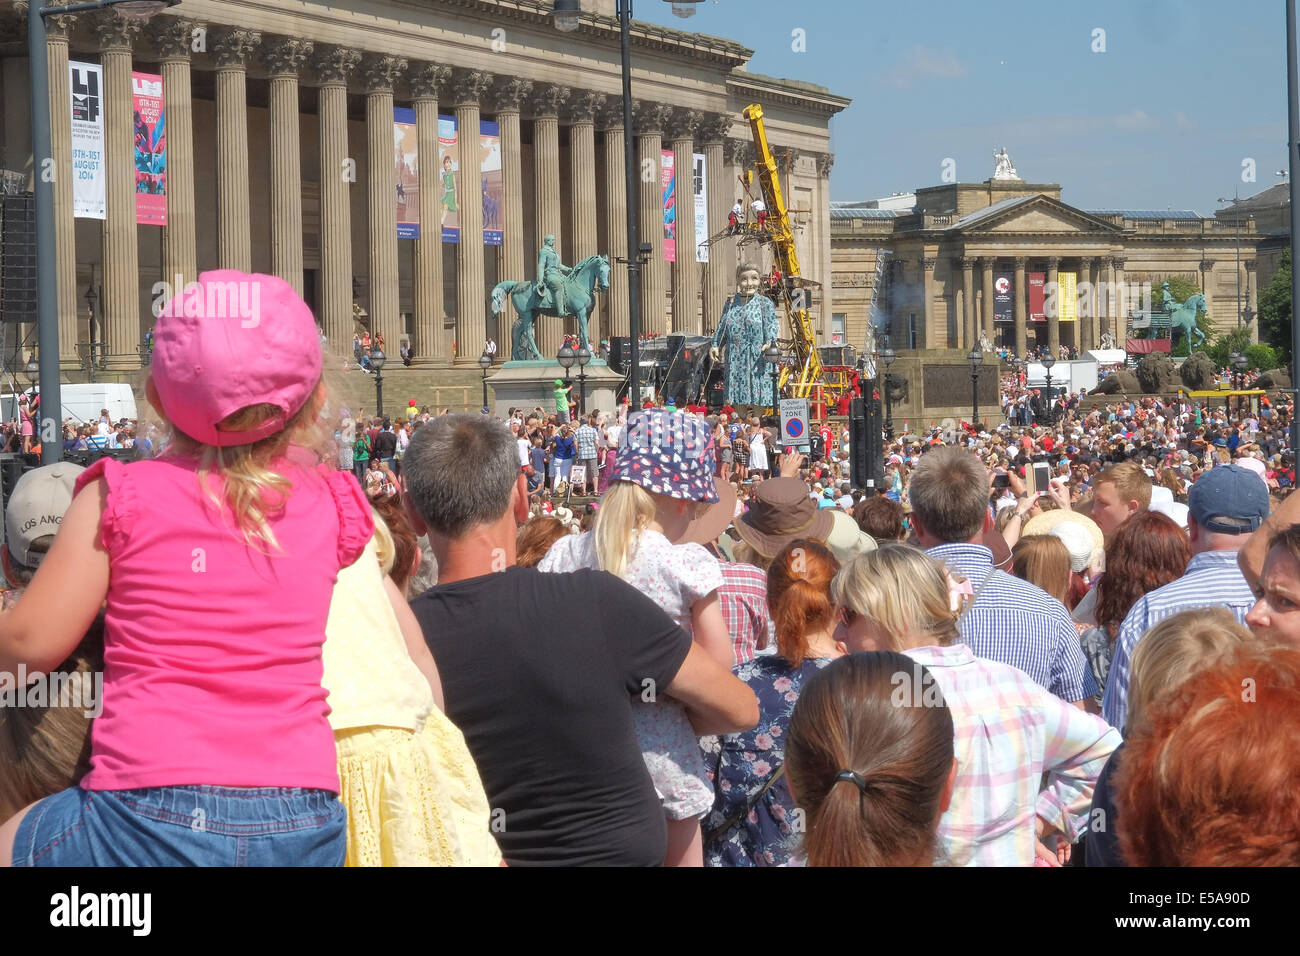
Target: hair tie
854 778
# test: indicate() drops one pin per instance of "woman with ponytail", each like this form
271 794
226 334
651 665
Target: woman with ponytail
871 778
753 816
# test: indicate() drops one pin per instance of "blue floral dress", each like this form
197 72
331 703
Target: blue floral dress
740 765
745 327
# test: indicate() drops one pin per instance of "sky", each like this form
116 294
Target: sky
1127 104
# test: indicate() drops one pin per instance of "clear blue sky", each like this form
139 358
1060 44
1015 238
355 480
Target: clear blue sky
1184 92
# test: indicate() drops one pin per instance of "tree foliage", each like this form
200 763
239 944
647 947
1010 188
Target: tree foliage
1275 310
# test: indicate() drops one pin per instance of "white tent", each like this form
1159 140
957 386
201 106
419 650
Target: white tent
1107 356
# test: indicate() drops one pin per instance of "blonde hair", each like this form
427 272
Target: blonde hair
903 591
1043 560
1172 650
253 492
385 548
747 554
625 511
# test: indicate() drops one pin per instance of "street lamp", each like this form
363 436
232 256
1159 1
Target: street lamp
485 363
47 260
772 355
683 8
1048 362
584 356
887 358
976 359
1240 362
566 357
377 360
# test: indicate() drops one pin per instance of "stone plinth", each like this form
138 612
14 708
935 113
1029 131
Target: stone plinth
934 384
525 384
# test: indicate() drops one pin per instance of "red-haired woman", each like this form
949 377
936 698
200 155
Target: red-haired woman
750 824
1146 552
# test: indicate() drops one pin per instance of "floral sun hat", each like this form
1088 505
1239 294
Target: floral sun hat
668 453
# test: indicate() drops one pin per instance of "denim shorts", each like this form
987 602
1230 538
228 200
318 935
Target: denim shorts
184 826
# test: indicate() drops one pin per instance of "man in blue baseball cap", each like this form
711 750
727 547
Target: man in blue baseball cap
1225 506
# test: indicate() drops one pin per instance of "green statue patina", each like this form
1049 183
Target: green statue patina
559 290
1172 315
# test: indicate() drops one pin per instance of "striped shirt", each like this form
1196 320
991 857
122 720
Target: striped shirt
1212 579
743 599
1014 622
585 437
1009 733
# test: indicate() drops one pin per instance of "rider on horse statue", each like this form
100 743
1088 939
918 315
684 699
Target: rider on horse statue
551 273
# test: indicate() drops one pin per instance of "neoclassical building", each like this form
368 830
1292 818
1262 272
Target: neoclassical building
955 263
281 159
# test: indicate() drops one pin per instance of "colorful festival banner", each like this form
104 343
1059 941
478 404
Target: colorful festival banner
1037 280
150 129
89 194
1067 295
406 170
700 187
448 181
492 186
1003 306
668 177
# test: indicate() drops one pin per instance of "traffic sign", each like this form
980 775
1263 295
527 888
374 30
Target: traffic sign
794 423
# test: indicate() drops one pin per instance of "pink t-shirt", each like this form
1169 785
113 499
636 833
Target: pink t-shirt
212 656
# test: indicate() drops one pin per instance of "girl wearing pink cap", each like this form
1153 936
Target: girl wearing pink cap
217 562
665 465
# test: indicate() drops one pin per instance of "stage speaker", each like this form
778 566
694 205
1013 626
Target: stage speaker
866 446
620 353
18 258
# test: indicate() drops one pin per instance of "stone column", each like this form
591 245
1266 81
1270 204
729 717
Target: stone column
1123 301
379 72
970 336
986 281
231 49
1022 312
509 96
650 119
334 66
1053 315
686 293
1207 268
174 38
928 337
429 339
611 121
121 255
582 182
1251 302
1087 316
65 235
711 133
471 297
284 57
546 104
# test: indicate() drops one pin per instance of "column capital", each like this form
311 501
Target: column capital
967 263
468 86
824 163
428 80
611 114
683 123
713 127
379 71
173 37
928 263
584 106
1207 264
511 93
987 262
57 26
1085 262
114 31
1021 262
1053 262
740 152
547 98
285 56
1118 261
650 117
334 65
232 48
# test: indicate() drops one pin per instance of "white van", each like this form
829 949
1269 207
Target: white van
83 403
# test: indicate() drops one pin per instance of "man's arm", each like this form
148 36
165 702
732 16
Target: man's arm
1072 679
716 701
1114 704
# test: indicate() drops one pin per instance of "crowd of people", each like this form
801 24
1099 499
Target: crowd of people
1071 643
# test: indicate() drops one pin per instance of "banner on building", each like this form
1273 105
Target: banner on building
406 172
448 166
668 177
150 131
492 188
1003 305
1037 280
699 186
89 194
1067 295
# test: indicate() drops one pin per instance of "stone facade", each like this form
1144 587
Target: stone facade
270 104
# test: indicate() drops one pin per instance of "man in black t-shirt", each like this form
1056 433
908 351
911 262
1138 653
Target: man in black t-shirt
538 670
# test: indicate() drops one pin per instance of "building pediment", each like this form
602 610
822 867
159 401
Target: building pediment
1025 215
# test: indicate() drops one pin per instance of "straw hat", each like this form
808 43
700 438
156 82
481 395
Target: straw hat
1047 522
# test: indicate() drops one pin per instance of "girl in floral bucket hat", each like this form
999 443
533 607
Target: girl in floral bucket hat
665 465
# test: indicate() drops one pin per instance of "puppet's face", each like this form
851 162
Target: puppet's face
748 283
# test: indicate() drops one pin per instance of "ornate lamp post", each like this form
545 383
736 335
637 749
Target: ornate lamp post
584 357
377 360
566 357
1240 362
887 358
485 363
772 355
976 359
1048 362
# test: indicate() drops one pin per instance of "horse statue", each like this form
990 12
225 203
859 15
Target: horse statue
1184 317
587 277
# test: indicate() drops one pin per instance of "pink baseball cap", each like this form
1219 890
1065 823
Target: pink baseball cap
231 340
